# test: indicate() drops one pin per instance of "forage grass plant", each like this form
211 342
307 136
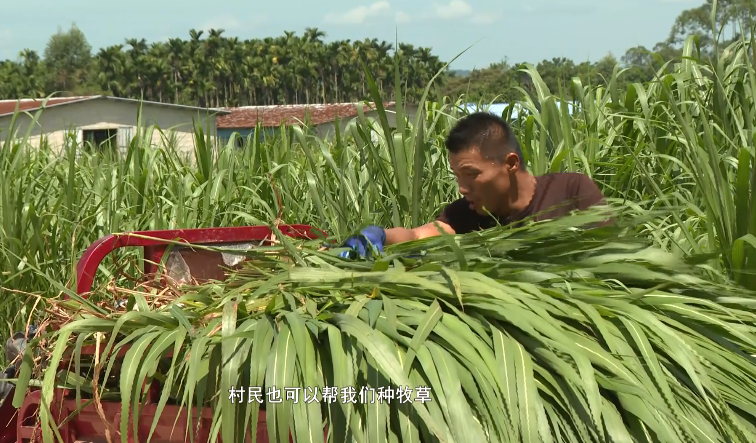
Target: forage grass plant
540 334
684 140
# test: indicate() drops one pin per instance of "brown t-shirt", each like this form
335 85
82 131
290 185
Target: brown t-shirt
556 194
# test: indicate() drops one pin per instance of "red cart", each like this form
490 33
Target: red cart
86 426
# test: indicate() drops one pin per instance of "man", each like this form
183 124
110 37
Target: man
488 164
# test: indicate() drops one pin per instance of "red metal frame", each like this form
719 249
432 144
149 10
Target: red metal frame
86 425
158 241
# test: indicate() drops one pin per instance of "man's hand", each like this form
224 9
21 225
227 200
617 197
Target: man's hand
379 237
370 239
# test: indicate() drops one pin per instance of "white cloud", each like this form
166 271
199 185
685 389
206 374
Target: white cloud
359 14
401 17
454 9
485 19
461 10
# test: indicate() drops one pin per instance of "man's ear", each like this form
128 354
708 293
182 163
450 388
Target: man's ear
512 162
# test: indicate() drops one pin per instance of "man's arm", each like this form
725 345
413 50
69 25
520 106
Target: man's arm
401 235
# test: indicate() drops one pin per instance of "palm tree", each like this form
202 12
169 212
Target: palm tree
212 69
110 65
176 58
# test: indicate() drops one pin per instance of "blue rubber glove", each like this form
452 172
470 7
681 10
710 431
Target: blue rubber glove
361 244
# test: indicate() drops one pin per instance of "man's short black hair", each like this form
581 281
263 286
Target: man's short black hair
490 134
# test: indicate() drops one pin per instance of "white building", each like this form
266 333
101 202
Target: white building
100 119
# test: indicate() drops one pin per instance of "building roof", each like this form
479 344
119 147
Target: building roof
31 104
274 116
8 107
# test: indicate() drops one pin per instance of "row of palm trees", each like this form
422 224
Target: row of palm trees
226 71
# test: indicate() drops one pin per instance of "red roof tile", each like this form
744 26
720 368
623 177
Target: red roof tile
270 116
32 104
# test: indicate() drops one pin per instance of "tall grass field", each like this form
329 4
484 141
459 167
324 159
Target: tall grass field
616 345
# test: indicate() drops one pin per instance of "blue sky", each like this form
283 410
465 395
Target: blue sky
527 30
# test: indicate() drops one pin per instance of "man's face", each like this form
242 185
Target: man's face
483 182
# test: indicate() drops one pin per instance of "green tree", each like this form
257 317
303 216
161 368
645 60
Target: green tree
67 58
731 16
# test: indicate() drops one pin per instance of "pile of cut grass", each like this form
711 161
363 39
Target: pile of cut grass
544 333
